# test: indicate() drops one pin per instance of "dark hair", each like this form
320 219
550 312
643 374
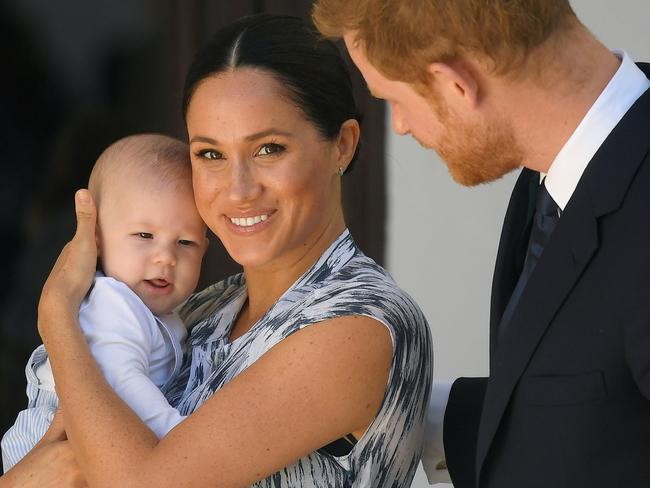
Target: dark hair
310 67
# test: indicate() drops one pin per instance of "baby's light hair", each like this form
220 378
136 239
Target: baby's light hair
158 157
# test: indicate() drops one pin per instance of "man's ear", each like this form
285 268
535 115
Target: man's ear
457 80
346 143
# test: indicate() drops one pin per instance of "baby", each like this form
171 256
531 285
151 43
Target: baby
151 241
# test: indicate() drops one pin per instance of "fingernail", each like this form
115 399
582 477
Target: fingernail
82 196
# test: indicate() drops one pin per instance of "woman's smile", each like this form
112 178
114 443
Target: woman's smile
274 178
251 223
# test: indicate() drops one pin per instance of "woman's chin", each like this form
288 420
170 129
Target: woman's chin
250 260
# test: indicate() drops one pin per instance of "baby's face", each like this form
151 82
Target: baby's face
152 238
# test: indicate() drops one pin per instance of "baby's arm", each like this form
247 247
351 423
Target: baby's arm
122 334
31 423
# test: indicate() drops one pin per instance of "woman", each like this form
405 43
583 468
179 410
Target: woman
312 368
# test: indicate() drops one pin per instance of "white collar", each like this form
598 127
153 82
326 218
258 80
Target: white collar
625 87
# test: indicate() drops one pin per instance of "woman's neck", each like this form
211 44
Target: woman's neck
268 283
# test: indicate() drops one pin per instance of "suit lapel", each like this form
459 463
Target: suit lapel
512 247
601 191
574 242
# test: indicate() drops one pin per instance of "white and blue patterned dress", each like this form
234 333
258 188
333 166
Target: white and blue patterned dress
342 282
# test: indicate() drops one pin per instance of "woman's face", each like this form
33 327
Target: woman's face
265 180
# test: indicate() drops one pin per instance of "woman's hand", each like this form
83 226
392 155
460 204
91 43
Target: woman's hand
73 271
51 464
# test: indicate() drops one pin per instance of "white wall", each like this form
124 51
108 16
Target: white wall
442 238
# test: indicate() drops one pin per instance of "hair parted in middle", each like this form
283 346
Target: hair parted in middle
402 37
310 68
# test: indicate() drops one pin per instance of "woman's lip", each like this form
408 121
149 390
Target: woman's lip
250 213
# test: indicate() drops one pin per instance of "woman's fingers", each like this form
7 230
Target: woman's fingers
86 218
74 269
56 431
50 465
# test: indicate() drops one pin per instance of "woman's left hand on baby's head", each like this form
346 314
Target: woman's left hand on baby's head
73 272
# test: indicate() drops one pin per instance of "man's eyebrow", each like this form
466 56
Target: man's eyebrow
251 137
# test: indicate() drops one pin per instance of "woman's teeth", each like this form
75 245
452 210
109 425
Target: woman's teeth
248 221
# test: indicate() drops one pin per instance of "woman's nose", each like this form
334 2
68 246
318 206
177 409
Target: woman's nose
244 186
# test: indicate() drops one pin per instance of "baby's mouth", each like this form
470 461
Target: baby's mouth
158 283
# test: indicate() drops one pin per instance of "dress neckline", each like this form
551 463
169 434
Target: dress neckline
335 257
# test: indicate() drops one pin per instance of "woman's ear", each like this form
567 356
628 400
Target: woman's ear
457 81
346 143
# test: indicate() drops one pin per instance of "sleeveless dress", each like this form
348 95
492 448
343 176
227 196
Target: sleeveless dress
342 282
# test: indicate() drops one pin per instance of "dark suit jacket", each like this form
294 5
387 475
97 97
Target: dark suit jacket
567 403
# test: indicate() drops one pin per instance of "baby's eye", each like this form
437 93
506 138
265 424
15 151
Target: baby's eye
269 149
145 235
209 154
185 242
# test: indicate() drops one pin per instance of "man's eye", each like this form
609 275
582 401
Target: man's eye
269 149
145 235
184 242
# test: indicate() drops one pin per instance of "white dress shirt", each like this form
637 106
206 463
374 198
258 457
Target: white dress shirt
625 87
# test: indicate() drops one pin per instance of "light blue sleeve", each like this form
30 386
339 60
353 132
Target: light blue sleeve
123 336
31 423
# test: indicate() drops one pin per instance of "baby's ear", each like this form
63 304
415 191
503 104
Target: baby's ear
206 243
98 240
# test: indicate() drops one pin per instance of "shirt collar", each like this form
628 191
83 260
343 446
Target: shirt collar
625 87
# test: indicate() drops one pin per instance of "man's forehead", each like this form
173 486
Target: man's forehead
373 78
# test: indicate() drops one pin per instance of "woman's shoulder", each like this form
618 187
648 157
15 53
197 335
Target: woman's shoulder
363 287
204 302
363 275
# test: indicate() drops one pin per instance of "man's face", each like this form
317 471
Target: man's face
476 149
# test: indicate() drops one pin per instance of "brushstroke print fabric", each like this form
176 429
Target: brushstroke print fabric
343 282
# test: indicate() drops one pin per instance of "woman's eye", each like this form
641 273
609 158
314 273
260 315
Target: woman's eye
209 154
269 149
145 235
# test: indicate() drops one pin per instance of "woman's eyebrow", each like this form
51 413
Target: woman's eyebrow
251 137
268 132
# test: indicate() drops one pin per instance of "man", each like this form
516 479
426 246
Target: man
494 85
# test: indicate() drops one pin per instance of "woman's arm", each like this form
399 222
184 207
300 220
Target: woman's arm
310 389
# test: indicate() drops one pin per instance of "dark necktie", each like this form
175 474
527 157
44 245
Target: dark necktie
547 215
